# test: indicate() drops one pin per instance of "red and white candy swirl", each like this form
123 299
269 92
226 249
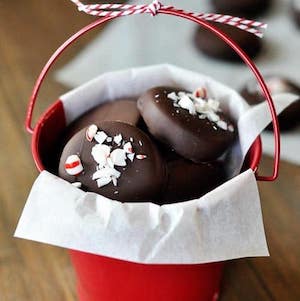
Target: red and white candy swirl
73 165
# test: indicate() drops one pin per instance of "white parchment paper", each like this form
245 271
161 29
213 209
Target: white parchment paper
144 40
224 224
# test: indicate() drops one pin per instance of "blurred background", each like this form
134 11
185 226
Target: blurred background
30 32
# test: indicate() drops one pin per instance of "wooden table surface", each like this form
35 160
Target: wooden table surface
29 32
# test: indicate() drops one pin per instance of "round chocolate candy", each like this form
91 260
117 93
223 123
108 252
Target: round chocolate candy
193 126
124 110
296 11
241 8
188 180
116 160
211 45
289 117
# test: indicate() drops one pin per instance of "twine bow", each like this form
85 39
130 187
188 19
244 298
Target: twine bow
118 10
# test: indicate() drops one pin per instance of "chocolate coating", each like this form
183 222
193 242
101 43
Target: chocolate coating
213 46
296 11
123 110
288 118
188 180
241 8
140 180
193 138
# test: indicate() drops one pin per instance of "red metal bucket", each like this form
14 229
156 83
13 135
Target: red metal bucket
107 279
103 278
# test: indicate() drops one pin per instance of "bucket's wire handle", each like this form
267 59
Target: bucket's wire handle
182 14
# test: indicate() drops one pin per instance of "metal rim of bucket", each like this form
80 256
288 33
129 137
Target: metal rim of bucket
256 148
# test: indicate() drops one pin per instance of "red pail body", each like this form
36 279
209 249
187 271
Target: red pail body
103 278
107 279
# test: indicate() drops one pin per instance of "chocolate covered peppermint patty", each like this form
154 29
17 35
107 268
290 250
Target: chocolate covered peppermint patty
296 11
116 160
190 123
123 110
187 180
211 45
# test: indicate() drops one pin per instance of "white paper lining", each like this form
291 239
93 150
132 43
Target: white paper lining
224 224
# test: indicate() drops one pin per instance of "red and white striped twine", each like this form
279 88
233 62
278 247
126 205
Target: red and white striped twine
118 10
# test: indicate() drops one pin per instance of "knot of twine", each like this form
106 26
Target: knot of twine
118 10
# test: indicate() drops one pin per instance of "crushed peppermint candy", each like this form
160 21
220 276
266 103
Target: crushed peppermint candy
128 147
200 92
118 139
77 184
198 103
107 158
173 96
131 156
73 165
230 128
100 137
91 132
100 153
118 157
186 103
222 124
103 181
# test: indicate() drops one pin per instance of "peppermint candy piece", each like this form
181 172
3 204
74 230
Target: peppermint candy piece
114 181
118 157
103 181
106 172
91 132
100 137
173 96
200 93
212 116
73 165
199 120
213 104
131 156
222 125
100 153
128 148
118 139
186 103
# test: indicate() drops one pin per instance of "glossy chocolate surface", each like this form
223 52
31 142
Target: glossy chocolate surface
211 45
296 11
123 110
193 138
188 180
141 179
